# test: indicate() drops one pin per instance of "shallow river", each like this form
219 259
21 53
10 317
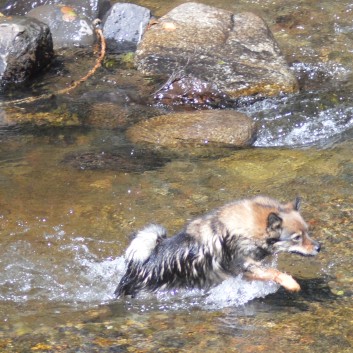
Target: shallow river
64 229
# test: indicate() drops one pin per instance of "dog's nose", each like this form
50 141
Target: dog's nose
317 247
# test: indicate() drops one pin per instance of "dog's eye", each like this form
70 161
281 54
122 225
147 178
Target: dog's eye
296 237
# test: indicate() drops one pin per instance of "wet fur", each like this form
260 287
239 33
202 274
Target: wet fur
230 240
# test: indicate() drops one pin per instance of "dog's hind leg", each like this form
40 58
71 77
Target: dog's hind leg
270 274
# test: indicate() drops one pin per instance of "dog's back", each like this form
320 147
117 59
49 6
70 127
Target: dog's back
173 262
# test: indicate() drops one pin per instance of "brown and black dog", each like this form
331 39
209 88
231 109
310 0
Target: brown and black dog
232 239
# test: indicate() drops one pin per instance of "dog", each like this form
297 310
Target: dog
230 240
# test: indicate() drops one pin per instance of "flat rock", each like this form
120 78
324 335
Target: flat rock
198 128
236 52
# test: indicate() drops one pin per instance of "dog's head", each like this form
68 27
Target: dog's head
288 232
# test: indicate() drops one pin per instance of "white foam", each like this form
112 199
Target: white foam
238 291
89 280
233 292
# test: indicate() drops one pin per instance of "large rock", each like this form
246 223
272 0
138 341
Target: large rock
199 128
124 25
90 8
25 48
69 28
237 52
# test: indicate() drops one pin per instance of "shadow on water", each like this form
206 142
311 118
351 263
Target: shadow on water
312 291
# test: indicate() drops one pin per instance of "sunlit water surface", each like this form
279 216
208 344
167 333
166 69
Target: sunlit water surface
64 229
64 232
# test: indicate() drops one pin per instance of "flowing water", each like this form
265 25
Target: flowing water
70 197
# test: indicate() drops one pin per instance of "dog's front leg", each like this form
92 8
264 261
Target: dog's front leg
270 274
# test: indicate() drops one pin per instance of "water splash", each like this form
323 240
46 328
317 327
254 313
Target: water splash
81 278
301 129
238 291
317 116
70 273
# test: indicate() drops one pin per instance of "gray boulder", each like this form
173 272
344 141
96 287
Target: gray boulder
89 8
208 128
25 48
124 25
69 28
236 52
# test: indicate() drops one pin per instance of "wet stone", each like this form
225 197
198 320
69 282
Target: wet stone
189 90
26 47
196 129
128 160
114 109
234 51
108 115
69 28
89 8
124 25
11 117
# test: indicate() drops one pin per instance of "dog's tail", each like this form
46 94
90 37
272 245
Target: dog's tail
139 250
144 243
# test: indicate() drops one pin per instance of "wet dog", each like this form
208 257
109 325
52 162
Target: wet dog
232 239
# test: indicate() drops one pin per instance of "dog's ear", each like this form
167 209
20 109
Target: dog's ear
294 205
274 222
297 203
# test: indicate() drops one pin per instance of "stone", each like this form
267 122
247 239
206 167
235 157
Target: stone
199 128
13 117
126 159
26 47
89 8
107 115
124 25
188 90
114 108
236 52
68 27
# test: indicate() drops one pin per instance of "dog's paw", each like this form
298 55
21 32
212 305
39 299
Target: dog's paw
288 282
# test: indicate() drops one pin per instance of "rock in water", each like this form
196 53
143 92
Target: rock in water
26 47
126 159
124 25
89 8
236 52
68 27
200 129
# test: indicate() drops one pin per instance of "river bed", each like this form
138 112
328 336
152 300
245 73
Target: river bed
65 226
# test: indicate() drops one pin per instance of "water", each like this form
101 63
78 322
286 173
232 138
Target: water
65 224
310 118
34 270
64 232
